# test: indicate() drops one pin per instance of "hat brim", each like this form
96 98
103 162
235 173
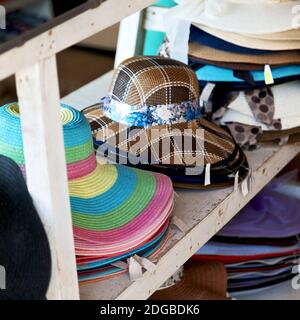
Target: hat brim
216 147
105 234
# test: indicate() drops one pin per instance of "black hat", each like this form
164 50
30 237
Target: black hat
25 257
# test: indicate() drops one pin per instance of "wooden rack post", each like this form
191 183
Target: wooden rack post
44 152
34 65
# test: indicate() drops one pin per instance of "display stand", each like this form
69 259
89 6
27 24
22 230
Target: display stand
33 60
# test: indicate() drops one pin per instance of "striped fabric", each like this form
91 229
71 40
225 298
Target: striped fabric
117 211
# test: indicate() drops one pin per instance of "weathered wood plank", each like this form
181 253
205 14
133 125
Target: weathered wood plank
205 213
38 94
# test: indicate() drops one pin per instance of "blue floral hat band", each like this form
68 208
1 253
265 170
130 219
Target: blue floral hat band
147 115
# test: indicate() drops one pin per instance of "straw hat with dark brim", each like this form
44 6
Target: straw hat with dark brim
25 257
153 102
214 146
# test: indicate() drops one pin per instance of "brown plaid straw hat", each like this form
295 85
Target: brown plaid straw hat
151 118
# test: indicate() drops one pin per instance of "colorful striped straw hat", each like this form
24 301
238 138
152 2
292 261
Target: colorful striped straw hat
116 210
152 119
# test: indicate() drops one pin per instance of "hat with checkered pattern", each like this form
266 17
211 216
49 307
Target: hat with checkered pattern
148 91
152 118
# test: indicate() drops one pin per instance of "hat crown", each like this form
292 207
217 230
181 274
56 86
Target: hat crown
77 138
153 81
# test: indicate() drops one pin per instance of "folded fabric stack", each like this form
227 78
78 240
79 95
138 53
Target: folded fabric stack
246 55
152 119
260 246
117 211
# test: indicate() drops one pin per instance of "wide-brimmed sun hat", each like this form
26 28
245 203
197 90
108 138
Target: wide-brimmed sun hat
115 209
151 118
271 214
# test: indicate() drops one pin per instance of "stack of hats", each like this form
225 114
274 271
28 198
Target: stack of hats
117 211
260 246
246 55
152 119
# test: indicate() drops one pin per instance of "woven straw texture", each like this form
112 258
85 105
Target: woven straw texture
213 143
116 210
153 81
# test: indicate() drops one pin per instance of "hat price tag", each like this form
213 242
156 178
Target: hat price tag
283 140
135 269
205 96
245 187
120 264
180 224
145 263
236 181
268 75
207 175
250 180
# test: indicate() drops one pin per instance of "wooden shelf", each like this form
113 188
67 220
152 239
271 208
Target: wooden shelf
34 63
204 212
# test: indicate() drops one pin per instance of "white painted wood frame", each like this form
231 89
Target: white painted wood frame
67 34
130 39
34 64
38 95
